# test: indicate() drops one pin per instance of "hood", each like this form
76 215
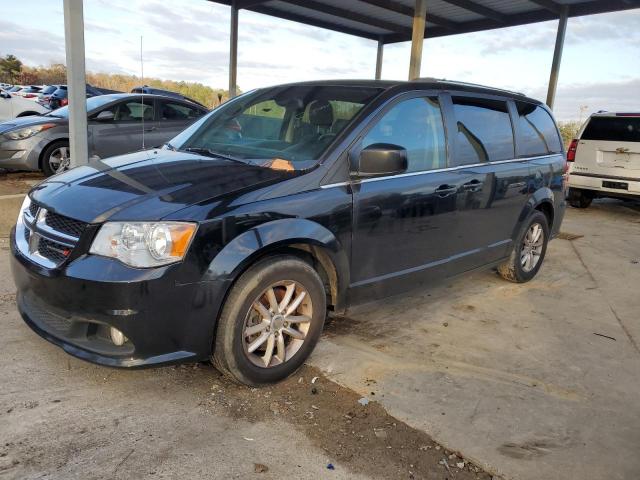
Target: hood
22 122
148 185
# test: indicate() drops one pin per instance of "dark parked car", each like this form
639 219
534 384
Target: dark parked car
117 124
45 94
146 89
60 97
236 238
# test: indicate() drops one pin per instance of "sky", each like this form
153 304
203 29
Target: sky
189 40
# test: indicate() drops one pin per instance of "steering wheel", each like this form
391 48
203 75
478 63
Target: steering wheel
326 136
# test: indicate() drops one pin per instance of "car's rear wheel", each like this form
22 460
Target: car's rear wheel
56 158
529 250
271 321
579 198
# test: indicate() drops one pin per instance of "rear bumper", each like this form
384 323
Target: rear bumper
73 307
595 182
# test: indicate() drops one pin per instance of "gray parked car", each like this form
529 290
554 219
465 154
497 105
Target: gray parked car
115 126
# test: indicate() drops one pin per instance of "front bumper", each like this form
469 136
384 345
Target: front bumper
74 306
21 154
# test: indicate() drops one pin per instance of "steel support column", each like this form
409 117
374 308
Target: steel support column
76 81
417 38
233 50
557 56
379 59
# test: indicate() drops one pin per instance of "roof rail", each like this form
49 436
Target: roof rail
468 84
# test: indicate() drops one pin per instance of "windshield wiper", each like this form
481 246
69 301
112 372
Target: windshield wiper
211 153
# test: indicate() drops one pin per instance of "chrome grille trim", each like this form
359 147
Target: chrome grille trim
41 243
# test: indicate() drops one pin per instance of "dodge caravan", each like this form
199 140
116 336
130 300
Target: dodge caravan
235 239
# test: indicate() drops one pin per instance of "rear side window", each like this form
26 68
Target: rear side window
483 131
416 125
178 111
621 129
537 132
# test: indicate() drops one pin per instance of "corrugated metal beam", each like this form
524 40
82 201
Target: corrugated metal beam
479 9
557 56
294 17
240 4
350 15
76 81
408 11
417 38
549 5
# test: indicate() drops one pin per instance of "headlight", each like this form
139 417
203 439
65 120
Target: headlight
143 245
27 132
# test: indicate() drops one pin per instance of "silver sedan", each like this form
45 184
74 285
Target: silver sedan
117 124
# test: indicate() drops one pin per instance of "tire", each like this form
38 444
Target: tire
579 198
59 146
26 114
516 269
232 343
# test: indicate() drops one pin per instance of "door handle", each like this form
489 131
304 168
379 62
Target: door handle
473 186
445 190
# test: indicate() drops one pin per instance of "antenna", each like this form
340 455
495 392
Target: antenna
142 80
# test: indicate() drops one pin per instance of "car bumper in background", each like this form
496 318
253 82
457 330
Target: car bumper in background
21 154
602 183
75 306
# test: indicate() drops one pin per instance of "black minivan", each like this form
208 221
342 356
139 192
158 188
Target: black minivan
234 240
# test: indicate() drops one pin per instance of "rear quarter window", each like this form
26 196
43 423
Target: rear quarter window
537 132
483 130
621 129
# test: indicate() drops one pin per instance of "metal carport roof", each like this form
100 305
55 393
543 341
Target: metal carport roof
392 20
386 21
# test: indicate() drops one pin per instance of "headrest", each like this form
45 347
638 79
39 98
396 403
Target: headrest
320 113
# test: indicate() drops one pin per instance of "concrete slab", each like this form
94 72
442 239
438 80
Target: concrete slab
531 381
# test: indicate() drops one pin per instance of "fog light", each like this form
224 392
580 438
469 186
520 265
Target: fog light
117 337
18 154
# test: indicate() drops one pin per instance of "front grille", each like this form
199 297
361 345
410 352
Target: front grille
54 251
66 225
49 243
46 319
33 209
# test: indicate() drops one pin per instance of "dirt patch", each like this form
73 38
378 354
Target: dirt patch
12 183
355 431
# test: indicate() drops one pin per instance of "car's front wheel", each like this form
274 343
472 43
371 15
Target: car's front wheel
271 321
56 158
529 250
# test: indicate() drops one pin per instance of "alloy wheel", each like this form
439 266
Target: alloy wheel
59 159
277 324
532 246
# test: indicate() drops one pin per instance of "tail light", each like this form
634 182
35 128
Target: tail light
64 102
571 152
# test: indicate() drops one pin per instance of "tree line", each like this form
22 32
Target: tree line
13 71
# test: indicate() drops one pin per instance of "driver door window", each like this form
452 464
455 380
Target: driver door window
416 125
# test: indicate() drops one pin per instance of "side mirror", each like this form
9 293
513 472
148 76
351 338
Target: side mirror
381 159
104 116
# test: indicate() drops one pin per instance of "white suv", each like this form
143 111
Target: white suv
12 107
605 159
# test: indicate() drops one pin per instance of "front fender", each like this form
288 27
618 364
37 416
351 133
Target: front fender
244 249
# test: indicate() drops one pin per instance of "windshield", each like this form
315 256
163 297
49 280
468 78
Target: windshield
294 124
92 104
